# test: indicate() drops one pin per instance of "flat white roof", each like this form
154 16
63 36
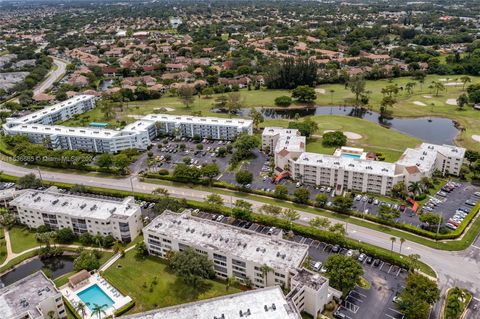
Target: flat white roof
183 119
272 131
291 143
227 239
35 116
65 130
25 295
266 303
53 202
425 155
347 163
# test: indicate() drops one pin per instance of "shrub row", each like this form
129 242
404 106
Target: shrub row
120 311
402 226
70 308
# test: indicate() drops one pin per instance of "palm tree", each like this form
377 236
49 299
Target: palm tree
438 86
393 239
331 96
230 282
402 240
414 187
413 260
98 310
465 79
265 269
409 87
426 183
80 308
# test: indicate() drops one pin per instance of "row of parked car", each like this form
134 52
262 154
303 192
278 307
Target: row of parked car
462 212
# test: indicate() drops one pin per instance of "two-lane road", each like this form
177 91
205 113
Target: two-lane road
460 268
52 77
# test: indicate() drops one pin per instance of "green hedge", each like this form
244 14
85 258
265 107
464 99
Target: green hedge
70 308
120 311
402 226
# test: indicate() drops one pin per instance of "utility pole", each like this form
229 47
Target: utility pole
131 184
40 174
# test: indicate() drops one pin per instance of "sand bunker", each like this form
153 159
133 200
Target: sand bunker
320 91
168 109
476 138
453 83
419 103
427 96
451 102
349 135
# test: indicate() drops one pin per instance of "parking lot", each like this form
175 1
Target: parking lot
386 280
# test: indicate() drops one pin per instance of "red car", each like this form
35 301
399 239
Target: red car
402 208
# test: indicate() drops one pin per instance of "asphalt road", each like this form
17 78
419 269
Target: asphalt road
453 268
52 77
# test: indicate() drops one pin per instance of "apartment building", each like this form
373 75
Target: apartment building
33 297
265 303
58 112
234 251
271 135
39 128
206 127
353 169
121 219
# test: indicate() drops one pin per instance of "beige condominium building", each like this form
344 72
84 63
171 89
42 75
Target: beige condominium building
121 219
241 253
353 169
33 297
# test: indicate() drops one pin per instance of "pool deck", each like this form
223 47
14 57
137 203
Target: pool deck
119 300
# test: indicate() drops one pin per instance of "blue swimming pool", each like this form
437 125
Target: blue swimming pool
95 295
350 155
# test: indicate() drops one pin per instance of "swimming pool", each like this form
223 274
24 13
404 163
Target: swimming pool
351 155
95 295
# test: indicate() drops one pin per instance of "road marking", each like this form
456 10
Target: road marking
395 311
364 296
350 296
475 247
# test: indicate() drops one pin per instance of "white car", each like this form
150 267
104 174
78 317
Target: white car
349 253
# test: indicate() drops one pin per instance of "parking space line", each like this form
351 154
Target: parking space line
398 272
389 269
303 240
395 311
364 296
357 299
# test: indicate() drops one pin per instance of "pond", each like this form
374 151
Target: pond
105 85
435 130
57 266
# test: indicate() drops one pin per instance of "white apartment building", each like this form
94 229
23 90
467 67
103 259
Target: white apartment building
353 169
58 112
206 127
265 303
121 219
234 251
271 135
39 128
32 297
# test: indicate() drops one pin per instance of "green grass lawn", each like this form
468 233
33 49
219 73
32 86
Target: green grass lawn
169 290
3 247
22 239
374 137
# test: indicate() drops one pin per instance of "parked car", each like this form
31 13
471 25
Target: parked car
376 262
349 253
335 249
317 266
369 260
362 257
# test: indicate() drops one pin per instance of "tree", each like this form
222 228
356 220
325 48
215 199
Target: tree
210 171
321 200
344 272
281 191
402 241
417 297
388 213
192 267
454 304
105 160
242 209
431 218
98 310
81 309
301 195
256 117
106 107
231 281
342 204
465 79
234 102
307 128
207 92
304 94
319 222
283 101
357 86
86 260
244 178
415 187
184 173
409 87
271 210
413 262
338 229
244 145
185 93
462 101
65 235
214 200
121 161
399 190
141 250
161 191
334 139
29 181
290 215
393 240
7 218
265 269
438 86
